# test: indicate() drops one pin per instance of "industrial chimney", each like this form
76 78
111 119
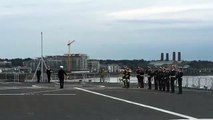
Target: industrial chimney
167 56
179 56
174 56
162 57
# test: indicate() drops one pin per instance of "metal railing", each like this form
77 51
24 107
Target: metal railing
196 82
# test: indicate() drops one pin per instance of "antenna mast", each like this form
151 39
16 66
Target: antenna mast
69 56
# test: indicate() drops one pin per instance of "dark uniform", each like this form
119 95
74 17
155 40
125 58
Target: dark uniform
156 79
167 80
160 79
48 71
140 74
150 75
61 74
173 78
142 78
164 80
126 78
38 74
179 78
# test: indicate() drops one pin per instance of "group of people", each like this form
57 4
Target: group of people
48 72
61 74
163 78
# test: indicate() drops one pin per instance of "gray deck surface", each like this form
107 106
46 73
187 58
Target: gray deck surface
43 101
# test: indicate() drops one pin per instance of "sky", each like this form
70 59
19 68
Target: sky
107 29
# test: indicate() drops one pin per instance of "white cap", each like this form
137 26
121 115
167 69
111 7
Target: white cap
62 67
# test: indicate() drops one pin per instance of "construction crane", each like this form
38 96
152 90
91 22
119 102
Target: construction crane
69 55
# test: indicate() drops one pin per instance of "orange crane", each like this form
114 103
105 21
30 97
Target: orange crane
69 56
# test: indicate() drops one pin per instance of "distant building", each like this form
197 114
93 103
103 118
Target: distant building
164 63
5 64
16 70
78 62
94 65
113 68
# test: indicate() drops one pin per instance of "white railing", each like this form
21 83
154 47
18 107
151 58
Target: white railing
197 82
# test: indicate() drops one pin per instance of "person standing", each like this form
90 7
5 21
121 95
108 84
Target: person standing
155 74
48 71
167 80
128 77
38 74
138 71
179 78
142 77
149 73
164 79
61 74
160 79
173 78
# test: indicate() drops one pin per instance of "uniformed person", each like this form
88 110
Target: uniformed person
179 78
160 79
48 71
155 74
167 81
124 77
164 79
142 77
173 78
150 75
38 74
61 74
139 76
127 77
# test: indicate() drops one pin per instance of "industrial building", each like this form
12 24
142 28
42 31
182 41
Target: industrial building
94 66
79 62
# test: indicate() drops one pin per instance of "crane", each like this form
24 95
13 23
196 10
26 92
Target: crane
69 55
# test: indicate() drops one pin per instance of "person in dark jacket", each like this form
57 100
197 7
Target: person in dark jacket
61 74
48 71
150 75
142 77
167 81
38 74
140 74
155 73
179 78
173 78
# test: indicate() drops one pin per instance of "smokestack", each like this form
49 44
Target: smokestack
167 56
162 57
179 56
174 56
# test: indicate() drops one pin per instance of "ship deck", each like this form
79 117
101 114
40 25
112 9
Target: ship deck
100 101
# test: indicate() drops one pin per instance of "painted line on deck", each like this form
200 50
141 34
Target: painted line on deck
12 94
60 94
139 104
44 91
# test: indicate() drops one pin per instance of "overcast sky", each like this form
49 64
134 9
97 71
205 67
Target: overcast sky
107 29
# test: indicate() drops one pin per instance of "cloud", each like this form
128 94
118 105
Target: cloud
33 8
165 14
